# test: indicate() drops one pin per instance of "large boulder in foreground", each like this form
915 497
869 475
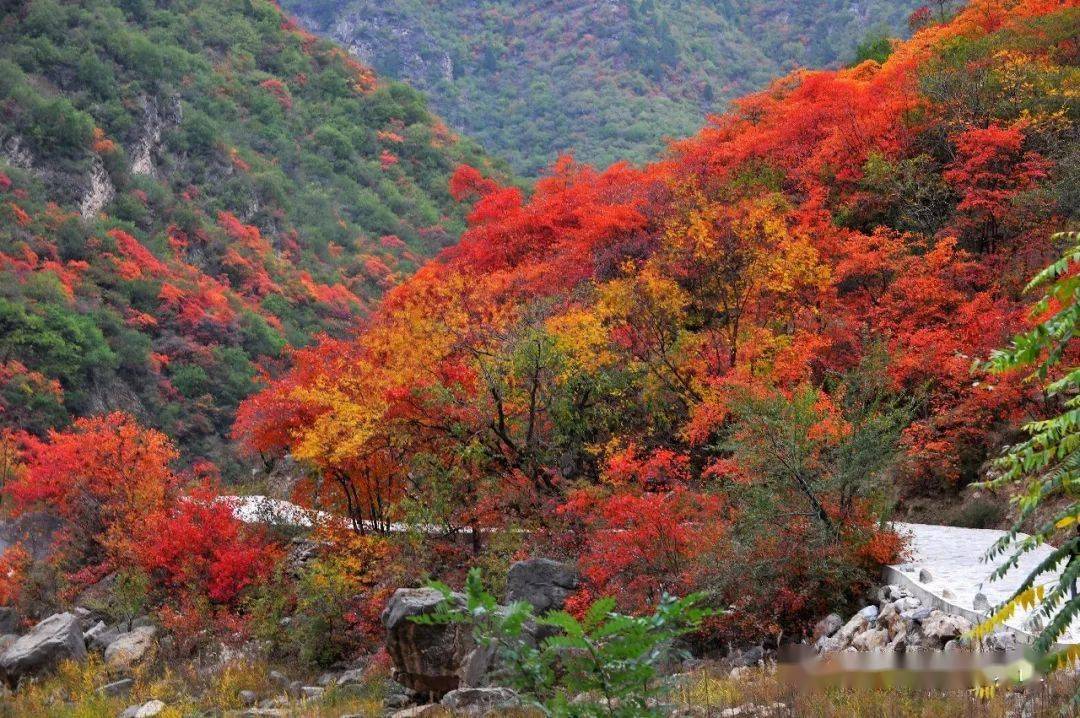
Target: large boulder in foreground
542 582
427 659
58 638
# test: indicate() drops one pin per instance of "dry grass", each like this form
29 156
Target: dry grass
707 694
72 692
187 691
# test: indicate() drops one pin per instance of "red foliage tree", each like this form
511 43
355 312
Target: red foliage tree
195 545
990 171
637 546
123 508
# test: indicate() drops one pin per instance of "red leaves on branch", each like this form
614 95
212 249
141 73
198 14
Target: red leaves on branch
990 171
105 471
637 546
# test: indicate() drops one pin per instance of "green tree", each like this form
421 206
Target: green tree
875 46
791 445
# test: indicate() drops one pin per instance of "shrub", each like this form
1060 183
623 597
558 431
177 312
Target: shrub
981 513
605 664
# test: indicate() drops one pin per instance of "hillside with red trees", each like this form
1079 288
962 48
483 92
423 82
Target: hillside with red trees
736 360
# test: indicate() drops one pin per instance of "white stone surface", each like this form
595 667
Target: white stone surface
265 510
258 509
955 558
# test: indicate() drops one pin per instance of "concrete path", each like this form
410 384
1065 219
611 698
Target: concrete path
954 558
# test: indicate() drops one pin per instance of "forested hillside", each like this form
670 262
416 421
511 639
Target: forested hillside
608 81
681 400
737 359
186 189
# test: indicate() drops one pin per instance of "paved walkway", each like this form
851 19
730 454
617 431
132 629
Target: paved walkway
954 558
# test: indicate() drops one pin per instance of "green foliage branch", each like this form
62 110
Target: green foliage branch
605 664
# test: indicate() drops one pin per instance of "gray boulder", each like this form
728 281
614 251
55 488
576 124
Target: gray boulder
130 648
856 624
426 659
396 701
871 640
940 627
900 642
94 631
57 638
750 657
351 676
829 644
889 593
981 603
1001 640
100 640
908 603
542 582
892 621
149 709
480 701
918 615
87 618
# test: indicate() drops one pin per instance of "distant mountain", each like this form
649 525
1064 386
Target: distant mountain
609 80
186 189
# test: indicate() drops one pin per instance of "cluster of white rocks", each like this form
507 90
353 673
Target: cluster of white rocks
900 622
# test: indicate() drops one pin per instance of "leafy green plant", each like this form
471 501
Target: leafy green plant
875 46
1046 464
605 664
128 597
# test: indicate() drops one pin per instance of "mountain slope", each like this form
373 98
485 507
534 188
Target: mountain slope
187 188
607 80
733 362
